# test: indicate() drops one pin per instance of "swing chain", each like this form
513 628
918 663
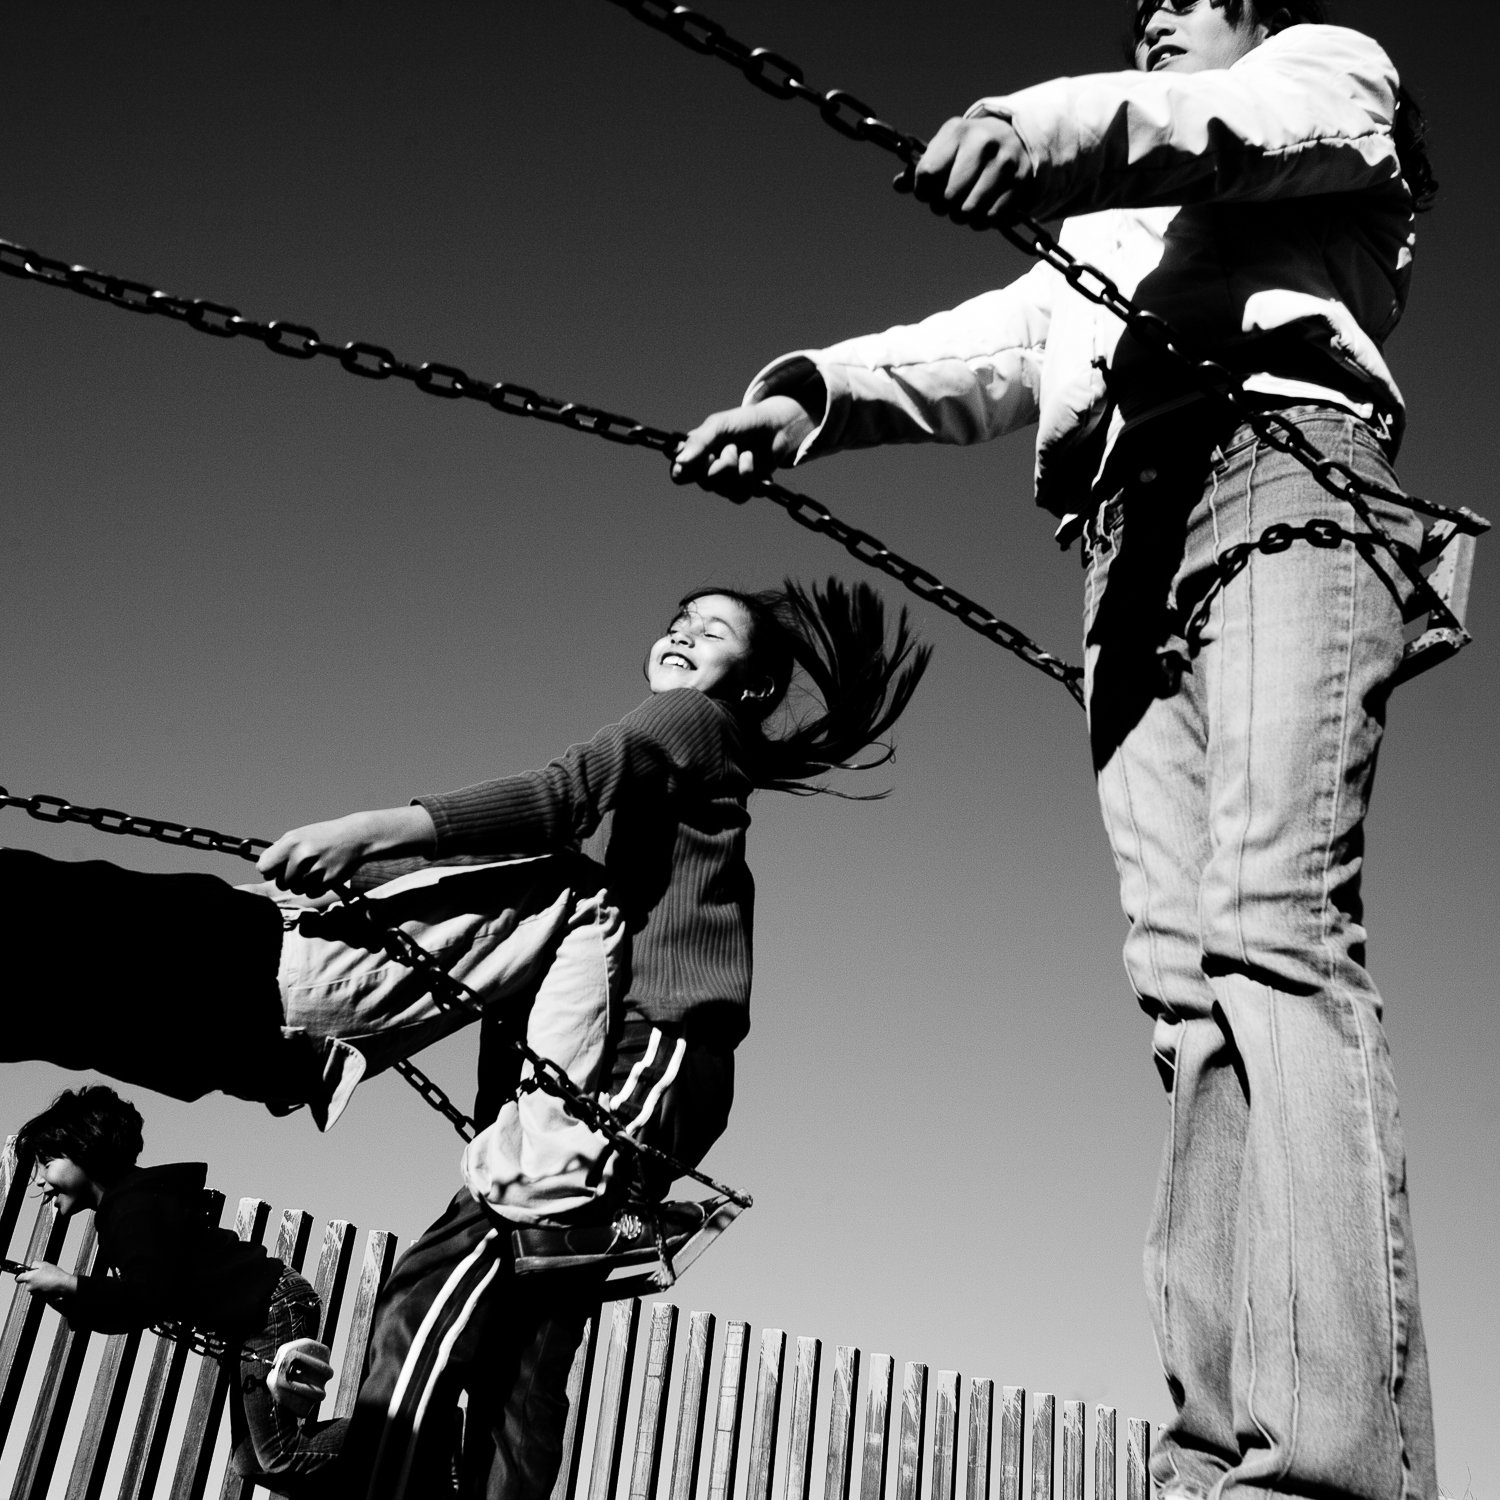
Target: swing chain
701 34
449 992
449 382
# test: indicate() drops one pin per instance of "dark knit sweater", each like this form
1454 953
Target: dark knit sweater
173 1264
675 775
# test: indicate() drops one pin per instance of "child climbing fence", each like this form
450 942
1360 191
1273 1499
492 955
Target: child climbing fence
61 1436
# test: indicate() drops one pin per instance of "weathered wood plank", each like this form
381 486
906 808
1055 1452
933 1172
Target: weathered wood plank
909 1432
1012 1427
1104 1453
877 1427
651 1419
1043 1444
101 1424
1137 1451
148 1444
609 1435
981 1437
763 1421
291 1250
841 1409
945 1437
692 1407
800 1418
380 1256
1072 1450
13 1185
49 1417
24 1318
332 1276
580 1382
723 1457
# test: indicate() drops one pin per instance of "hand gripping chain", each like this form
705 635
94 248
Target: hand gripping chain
775 75
450 993
449 382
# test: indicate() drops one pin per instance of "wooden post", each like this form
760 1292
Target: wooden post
25 1316
380 1255
1104 1453
693 1407
1072 1450
580 1379
1043 1440
59 1385
613 1396
763 1422
909 1434
804 1407
13 1185
651 1420
877 1427
1012 1424
945 1437
841 1423
1137 1451
723 1458
981 1435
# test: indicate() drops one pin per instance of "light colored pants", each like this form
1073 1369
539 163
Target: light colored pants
1279 1260
537 933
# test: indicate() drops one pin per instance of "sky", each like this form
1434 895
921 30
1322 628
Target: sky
248 593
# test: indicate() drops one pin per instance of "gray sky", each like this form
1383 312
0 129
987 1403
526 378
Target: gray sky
247 592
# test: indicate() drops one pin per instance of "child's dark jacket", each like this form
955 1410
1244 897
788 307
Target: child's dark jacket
154 1230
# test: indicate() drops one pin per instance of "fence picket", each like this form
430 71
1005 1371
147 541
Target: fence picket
763 1424
945 1437
380 1255
693 1407
1012 1424
909 1433
1043 1444
609 1438
1072 1450
981 1438
651 1422
1137 1450
724 1455
877 1427
841 1423
1104 1453
799 1458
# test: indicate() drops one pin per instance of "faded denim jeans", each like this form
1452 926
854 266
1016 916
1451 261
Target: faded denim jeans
1235 766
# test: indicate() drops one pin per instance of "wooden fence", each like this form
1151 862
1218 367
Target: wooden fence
63 1410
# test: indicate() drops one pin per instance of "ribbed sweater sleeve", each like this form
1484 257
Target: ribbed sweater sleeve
670 737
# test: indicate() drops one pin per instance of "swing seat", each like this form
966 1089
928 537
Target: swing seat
643 1249
1447 559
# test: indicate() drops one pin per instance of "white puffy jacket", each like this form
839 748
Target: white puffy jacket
1260 209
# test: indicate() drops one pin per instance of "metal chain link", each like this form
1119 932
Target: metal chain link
447 991
782 79
449 382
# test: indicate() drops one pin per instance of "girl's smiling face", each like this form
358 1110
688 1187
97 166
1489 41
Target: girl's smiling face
66 1186
1191 36
706 647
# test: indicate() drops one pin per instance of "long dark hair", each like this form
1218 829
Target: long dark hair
92 1126
1409 128
836 684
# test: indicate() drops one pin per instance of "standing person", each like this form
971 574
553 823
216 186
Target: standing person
1253 181
171 1264
673 777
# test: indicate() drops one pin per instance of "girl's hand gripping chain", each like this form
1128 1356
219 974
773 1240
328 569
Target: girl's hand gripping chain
50 1283
299 1375
310 860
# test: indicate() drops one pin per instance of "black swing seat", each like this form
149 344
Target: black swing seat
642 1249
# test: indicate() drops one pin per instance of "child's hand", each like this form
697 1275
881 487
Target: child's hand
973 170
50 1283
746 442
309 860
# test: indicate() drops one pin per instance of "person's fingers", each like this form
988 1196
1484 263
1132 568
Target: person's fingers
930 179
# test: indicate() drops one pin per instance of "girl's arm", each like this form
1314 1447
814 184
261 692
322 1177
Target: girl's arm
309 860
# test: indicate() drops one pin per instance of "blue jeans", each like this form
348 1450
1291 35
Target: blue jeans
1235 764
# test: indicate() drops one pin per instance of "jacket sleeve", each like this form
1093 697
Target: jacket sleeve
668 738
1309 111
960 376
150 1240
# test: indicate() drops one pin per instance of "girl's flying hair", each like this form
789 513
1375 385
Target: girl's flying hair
1409 129
92 1126
829 644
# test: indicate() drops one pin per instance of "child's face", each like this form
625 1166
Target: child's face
66 1186
706 647
1191 36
